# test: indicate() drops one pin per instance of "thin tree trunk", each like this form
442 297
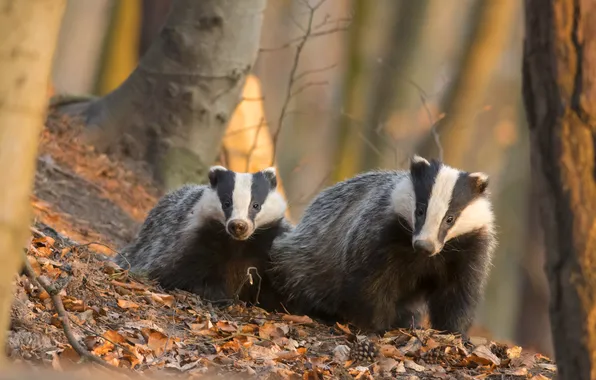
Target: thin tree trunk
558 88
28 35
80 44
466 92
400 44
348 151
173 110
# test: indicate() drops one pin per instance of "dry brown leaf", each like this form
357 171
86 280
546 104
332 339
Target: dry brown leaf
390 351
43 251
164 299
400 368
412 346
484 356
271 331
46 241
158 342
288 355
114 336
34 264
304 319
343 328
263 353
126 304
73 304
549 367
226 326
129 285
103 348
539 377
249 329
526 360
387 364
411 365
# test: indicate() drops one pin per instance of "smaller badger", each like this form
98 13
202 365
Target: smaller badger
205 238
376 249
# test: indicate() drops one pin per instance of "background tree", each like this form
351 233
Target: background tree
28 34
558 89
172 111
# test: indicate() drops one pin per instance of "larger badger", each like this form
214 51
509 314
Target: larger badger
205 238
377 249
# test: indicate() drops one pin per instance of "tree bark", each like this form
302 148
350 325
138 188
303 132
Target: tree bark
558 87
28 35
172 111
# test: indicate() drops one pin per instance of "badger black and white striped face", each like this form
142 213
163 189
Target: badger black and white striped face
248 200
447 203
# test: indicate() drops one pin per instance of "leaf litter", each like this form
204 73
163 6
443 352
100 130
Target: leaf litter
134 325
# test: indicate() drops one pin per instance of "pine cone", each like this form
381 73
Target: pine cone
363 350
435 356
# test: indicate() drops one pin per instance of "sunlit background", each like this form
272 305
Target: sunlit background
356 85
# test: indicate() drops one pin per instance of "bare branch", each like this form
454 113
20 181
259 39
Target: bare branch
54 293
313 71
307 86
293 76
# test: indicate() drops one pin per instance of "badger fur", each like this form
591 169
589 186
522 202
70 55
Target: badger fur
377 249
204 238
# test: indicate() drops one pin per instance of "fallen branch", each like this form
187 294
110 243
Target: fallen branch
44 283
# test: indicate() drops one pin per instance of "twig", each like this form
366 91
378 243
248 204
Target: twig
54 293
298 39
307 86
313 71
249 279
286 102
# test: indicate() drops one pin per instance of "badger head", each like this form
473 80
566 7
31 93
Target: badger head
447 203
248 200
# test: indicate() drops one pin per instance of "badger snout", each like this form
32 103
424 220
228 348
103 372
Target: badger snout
425 246
239 229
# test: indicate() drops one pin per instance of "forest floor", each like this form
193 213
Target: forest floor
88 205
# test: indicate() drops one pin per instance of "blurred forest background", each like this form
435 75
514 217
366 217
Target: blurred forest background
346 86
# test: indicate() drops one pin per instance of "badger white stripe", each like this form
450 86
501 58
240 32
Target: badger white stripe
477 214
403 199
208 207
271 210
241 197
438 204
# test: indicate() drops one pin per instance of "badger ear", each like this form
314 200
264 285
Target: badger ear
478 182
269 173
417 162
214 174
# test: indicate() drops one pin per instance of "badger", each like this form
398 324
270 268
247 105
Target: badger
208 239
378 249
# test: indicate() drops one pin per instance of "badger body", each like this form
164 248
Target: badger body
206 238
377 249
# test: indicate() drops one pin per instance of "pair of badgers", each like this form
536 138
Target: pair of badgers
373 250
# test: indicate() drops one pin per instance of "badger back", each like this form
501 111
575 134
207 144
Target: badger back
247 201
448 203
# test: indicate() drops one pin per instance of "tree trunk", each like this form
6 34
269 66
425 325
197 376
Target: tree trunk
80 44
401 41
465 95
558 88
28 34
153 16
173 110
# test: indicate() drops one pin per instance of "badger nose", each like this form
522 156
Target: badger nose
238 227
424 246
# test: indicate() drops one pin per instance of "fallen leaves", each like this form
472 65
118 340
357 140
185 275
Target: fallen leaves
131 324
